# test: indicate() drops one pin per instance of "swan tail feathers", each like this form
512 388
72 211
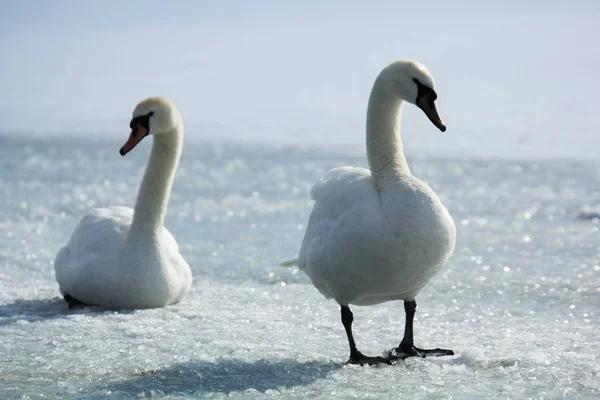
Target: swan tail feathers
289 263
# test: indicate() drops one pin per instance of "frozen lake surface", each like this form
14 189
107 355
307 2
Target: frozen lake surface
519 301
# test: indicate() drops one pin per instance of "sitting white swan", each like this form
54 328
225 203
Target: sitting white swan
121 258
381 234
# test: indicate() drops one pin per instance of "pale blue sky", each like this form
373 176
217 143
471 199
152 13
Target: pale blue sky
508 75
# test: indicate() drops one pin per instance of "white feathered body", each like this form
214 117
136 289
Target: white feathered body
119 258
363 246
96 267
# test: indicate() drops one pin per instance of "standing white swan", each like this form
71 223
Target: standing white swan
380 234
121 258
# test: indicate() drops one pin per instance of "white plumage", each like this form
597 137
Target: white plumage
121 259
357 252
380 234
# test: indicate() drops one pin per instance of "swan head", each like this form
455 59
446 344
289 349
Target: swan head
152 116
412 82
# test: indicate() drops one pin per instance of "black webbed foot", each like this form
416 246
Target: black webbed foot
406 348
403 352
73 302
356 357
360 359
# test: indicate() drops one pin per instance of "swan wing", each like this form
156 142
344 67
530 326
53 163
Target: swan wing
179 271
93 250
344 236
334 194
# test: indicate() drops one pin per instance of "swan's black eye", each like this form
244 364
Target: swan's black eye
425 90
143 120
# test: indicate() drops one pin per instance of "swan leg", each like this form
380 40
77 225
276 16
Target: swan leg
73 302
407 348
356 357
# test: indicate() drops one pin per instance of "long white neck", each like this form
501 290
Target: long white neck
384 145
153 196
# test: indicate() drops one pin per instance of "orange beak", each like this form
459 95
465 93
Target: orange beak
429 109
136 136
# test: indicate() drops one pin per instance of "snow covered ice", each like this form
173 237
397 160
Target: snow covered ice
590 212
518 302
